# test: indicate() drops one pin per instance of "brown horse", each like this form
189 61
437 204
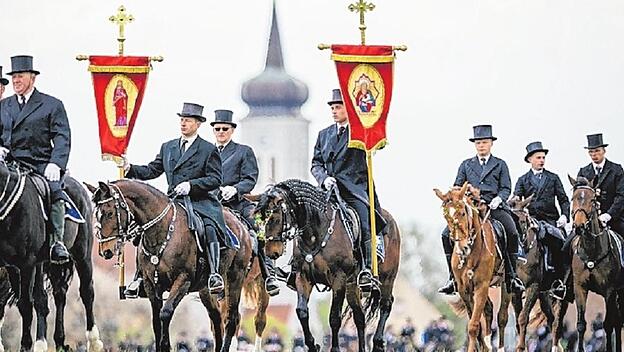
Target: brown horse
595 263
475 259
169 258
532 274
324 255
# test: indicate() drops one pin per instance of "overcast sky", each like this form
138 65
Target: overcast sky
537 70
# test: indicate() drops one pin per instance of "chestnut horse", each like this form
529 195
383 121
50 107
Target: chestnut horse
324 254
169 260
474 261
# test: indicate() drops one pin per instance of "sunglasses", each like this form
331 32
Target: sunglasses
219 129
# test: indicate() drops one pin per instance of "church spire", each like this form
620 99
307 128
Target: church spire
274 58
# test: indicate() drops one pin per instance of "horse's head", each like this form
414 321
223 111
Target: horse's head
111 214
274 216
584 206
520 208
460 212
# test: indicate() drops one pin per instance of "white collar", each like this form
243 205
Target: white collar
537 172
345 125
601 165
189 140
26 96
487 158
224 145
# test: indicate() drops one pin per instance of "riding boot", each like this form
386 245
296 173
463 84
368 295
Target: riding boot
449 288
215 281
58 251
267 268
365 277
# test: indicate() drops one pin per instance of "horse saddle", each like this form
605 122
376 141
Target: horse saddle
545 229
196 225
351 222
43 192
617 242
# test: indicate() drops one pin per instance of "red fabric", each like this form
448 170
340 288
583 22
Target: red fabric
372 137
111 144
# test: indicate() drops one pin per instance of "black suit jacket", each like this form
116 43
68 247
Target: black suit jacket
240 170
200 165
611 185
492 181
542 207
40 133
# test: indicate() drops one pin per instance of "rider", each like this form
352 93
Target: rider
544 186
608 180
193 167
3 83
240 174
36 131
334 164
491 176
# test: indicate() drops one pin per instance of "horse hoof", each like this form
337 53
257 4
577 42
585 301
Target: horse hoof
41 346
94 344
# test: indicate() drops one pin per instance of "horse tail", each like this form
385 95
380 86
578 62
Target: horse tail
459 308
371 306
251 292
7 294
59 275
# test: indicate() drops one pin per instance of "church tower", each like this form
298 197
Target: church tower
274 126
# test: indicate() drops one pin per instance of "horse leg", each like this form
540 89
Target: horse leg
233 315
503 317
156 305
260 317
353 298
523 318
474 325
84 268
610 316
40 298
546 307
215 317
385 307
303 295
560 311
486 330
335 313
25 306
5 294
179 289
581 324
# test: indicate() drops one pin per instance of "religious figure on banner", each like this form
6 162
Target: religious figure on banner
120 101
364 97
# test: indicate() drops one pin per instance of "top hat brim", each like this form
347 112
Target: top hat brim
480 138
199 117
526 158
4 81
335 102
233 124
596 146
20 71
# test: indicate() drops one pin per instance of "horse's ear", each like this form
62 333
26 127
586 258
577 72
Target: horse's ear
464 188
440 195
252 197
91 189
104 187
526 201
572 180
513 201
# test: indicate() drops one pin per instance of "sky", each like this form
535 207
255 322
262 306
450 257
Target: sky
537 70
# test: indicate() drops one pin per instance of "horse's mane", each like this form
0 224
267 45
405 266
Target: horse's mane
309 202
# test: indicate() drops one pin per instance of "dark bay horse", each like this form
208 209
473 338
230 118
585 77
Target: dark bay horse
24 253
324 254
475 259
595 263
168 256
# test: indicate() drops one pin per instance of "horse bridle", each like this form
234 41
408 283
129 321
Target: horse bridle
290 228
589 216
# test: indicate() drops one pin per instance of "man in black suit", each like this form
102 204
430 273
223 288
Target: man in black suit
240 174
608 180
545 186
334 164
192 167
491 176
35 131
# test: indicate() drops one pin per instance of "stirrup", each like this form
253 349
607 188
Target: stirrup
517 284
366 275
557 287
271 281
133 288
449 289
218 288
64 256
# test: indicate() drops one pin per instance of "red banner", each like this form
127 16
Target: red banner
365 74
119 83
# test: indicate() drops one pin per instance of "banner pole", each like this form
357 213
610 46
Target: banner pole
371 203
121 263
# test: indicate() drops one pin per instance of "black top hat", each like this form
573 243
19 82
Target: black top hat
533 148
22 63
223 116
595 141
192 110
336 97
3 81
482 132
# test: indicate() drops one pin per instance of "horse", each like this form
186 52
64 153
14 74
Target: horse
324 255
532 274
595 263
475 259
24 253
169 258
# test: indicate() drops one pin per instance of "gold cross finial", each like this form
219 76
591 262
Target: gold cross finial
121 19
362 6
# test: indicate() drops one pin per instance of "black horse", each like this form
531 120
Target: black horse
24 253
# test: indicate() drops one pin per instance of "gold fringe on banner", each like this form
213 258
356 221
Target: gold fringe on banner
361 58
119 69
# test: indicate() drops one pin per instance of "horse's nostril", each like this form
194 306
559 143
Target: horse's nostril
108 254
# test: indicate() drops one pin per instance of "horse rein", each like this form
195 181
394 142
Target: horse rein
588 215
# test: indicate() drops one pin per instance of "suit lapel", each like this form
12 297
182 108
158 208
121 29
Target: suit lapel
475 166
489 166
542 184
32 104
603 174
228 152
189 152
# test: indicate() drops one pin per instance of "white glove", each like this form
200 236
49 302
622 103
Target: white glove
52 172
329 182
3 153
496 202
604 218
125 164
562 221
228 192
183 188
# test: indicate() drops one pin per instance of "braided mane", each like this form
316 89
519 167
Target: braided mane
309 202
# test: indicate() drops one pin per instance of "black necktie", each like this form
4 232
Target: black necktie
21 102
183 146
220 148
539 175
598 171
483 163
341 131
